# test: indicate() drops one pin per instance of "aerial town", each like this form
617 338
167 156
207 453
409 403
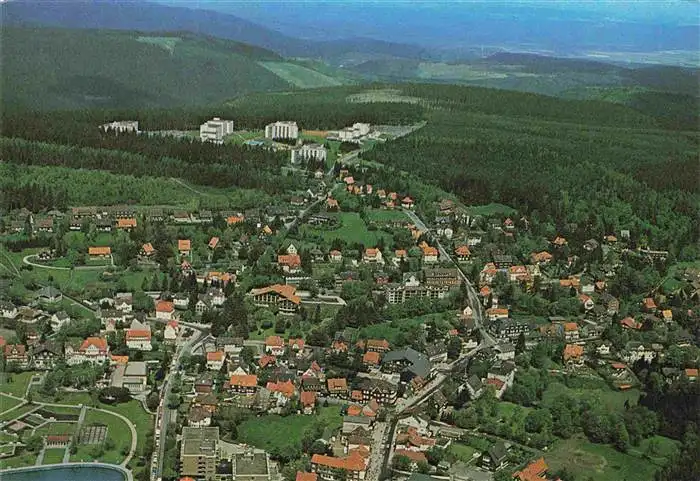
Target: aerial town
347 331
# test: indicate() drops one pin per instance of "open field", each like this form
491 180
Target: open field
18 461
15 413
117 431
8 403
15 383
51 429
461 452
612 400
598 462
256 431
352 229
300 76
490 209
381 216
397 331
53 456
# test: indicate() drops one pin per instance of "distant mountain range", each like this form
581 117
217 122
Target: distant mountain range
152 17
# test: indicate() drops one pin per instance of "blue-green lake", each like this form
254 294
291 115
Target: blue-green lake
65 473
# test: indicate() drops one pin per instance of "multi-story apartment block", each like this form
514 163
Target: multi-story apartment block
215 130
282 296
309 152
199 452
282 130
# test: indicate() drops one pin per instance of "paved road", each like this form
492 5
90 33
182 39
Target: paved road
402 405
164 420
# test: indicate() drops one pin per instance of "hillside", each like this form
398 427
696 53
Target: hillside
153 17
60 68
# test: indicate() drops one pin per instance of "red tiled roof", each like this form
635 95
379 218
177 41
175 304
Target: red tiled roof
308 398
533 471
572 351
618 365
338 384
138 334
267 360
246 380
570 326
304 476
630 323
216 356
377 344
274 341
148 248
287 388
126 223
214 242
233 219
99 251
691 372
165 306
99 342
415 456
371 357
497 383
350 463
286 291
291 260
183 245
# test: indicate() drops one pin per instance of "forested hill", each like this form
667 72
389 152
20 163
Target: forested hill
58 68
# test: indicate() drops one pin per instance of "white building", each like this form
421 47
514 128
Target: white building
282 130
124 301
355 132
215 130
309 152
121 126
59 319
171 331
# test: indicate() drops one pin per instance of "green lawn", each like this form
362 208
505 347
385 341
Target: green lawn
6 438
17 412
612 400
396 331
461 452
15 383
133 410
352 229
117 431
598 462
256 431
301 76
18 461
658 448
75 398
7 402
380 215
62 410
56 428
53 456
490 209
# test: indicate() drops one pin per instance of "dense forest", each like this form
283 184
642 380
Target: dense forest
533 155
323 109
47 187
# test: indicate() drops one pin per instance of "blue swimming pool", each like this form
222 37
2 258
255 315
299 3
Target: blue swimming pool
81 472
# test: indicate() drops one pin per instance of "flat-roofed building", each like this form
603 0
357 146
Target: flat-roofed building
215 130
309 152
282 130
199 452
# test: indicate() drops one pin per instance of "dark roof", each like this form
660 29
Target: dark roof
474 382
418 363
435 349
498 452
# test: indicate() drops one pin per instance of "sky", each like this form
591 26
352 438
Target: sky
547 26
